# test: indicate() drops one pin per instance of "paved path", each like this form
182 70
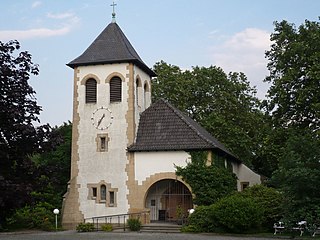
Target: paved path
72 235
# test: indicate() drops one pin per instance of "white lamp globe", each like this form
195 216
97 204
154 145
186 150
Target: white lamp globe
56 211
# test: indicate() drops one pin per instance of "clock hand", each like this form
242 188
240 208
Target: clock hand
100 120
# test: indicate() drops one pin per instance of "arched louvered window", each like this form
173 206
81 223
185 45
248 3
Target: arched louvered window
91 91
115 89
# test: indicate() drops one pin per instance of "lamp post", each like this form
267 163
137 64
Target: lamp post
56 212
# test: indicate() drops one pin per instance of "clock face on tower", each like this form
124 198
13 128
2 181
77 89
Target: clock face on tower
102 118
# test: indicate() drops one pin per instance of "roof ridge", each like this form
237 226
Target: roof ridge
126 41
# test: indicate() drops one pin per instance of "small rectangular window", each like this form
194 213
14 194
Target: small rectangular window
103 144
153 202
112 198
244 185
94 192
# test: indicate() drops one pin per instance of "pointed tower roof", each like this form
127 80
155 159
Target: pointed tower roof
111 46
162 127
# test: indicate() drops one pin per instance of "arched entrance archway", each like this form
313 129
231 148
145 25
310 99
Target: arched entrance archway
168 200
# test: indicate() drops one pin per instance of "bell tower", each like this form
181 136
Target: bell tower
111 88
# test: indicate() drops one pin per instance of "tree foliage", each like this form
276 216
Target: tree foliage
19 138
223 104
298 177
295 75
208 183
54 168
294 107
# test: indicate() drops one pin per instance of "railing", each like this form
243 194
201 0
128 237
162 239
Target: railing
118 220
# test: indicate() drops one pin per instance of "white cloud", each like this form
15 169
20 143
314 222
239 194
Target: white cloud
67 21
60 15
32 33
36 4
245 52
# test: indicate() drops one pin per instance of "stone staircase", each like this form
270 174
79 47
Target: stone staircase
161 228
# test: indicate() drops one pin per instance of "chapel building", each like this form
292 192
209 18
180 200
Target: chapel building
124 148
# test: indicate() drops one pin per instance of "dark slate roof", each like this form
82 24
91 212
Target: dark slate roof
162 127
111 46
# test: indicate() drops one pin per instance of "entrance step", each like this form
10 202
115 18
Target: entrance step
161 228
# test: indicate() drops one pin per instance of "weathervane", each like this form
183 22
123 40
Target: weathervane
113 12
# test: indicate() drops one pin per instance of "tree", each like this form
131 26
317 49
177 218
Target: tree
223 104
54 168
19 139
208 183
298 177
295 75
294 107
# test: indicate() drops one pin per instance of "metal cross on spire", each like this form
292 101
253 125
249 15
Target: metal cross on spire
113 12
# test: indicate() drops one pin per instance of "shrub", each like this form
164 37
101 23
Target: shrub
269 200
237 214
255 208
85 227
107 227
200 220
190 228
39 216
134 224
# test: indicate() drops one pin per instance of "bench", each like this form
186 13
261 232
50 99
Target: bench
316 231
300 227
278 228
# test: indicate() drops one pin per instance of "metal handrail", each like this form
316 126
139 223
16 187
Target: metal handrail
122 218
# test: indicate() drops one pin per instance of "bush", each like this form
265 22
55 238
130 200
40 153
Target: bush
200 220
39 216
237 214
254 209
270 201
107 227
134 224
85 227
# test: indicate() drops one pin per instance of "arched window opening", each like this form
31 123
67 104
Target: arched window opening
137 92
91 91
145 90
115 89
103 192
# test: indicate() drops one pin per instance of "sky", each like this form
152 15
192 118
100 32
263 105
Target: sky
231 34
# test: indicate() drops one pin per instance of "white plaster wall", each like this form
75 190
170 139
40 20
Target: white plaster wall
102 166
149 163
245 174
